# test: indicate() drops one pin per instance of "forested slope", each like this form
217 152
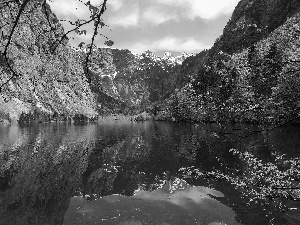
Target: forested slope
253 20
253 79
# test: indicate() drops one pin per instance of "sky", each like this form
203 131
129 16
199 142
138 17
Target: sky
157 25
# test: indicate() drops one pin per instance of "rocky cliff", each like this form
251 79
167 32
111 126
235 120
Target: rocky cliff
45 88
135 81
52 79
251 70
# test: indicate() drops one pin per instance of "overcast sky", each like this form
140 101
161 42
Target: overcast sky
155 25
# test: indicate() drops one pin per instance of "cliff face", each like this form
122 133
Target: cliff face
51 83
134 80
253 20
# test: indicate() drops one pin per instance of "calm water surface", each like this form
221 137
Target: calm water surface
127 173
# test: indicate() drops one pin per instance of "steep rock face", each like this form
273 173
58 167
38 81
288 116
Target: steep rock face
135 80
253 20
52 83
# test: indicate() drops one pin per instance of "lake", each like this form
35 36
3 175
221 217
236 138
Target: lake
134 173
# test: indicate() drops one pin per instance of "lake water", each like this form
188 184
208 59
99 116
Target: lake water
129 173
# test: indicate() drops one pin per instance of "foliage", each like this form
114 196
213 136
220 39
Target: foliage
252 22
259 84
267 183
270 180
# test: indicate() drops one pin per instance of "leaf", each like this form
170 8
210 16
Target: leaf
81 44
102 24
93 9
77 22
109 43
83 32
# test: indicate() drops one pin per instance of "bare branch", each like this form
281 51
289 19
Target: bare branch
15 74
96 25
53 47
47 16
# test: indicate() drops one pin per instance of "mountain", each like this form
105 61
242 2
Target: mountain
135 80
252 71
52 82
253 20
250 74
45 89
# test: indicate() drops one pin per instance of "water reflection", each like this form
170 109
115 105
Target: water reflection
43 166
175 202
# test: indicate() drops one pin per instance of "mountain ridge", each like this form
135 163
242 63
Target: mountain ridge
246 84
205 86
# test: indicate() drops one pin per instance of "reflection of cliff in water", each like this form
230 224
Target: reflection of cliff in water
175 202
40 174
43 166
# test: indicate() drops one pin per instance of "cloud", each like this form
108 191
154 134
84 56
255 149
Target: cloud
202 8
158 15
157 25
95 2
141 13
115 4
189 44
132 13
67 8
212 9
125 18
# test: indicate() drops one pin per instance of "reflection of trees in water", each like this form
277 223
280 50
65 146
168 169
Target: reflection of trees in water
44 168
146 161
50 165
40 176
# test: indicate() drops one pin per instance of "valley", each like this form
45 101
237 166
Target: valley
88 132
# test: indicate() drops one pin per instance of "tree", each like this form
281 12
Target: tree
256 80
271 68
265 71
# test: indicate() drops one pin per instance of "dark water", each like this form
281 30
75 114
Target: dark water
130 173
